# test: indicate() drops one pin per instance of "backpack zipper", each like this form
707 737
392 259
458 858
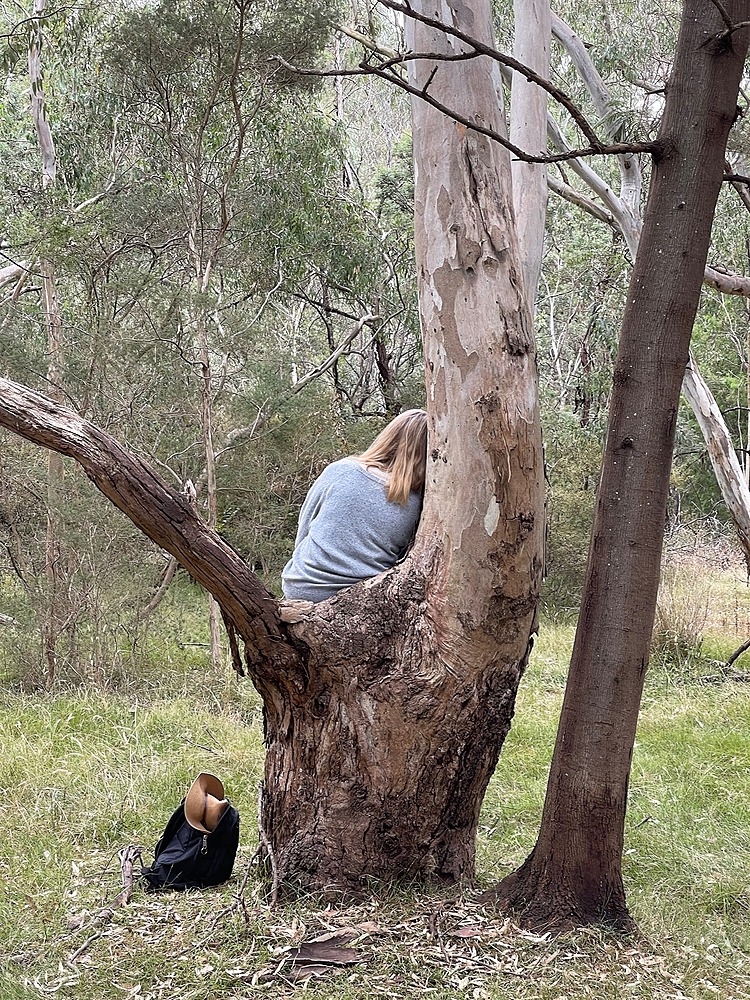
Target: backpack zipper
204 845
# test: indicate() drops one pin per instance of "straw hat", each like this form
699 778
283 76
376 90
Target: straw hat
205 803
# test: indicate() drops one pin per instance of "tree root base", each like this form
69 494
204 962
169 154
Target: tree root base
546 906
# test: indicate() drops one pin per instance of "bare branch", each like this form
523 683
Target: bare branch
598 148
7 35
12 272
334 356
487 50
367 43
727 282
649 88
569 194
724 13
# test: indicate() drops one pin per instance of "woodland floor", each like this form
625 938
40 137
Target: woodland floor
92 766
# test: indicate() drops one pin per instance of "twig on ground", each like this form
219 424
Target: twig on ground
79 951
737 654
128 857
269 850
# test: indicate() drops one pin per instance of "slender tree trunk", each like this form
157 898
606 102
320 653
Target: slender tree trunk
573 875
746 462
528 130
212 507
55 473
55 350
721 453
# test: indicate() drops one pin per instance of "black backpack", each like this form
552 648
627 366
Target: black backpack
185 858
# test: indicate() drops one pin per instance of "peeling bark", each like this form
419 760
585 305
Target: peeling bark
382 763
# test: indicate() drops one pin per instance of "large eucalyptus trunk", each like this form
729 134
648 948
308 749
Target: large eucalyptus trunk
386 706
378 762
573 875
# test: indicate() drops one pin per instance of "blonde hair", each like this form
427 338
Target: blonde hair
400 450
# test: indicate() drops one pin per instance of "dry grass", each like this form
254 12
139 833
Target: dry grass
230 944
83 773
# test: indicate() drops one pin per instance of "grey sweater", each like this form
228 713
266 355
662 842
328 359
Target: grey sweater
348 531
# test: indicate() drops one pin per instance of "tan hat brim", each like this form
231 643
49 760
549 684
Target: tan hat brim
205 802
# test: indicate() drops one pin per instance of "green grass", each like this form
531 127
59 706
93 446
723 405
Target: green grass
85 771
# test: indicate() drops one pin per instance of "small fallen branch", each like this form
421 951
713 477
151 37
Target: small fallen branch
737 654
128 857
266 843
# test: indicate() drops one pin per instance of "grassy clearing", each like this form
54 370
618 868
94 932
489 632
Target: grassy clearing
86 771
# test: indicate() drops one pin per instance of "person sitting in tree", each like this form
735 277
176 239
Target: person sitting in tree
361 513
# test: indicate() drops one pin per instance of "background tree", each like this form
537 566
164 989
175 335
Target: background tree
126 116
573 875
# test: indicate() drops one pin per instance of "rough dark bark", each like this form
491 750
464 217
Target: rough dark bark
573 875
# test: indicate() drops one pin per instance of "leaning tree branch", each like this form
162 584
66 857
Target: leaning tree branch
164 515
723 12
737 654
482 48
366 42
568 193
334 356
597 148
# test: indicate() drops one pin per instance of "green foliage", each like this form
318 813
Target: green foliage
573 455
182 144
182 39
394 186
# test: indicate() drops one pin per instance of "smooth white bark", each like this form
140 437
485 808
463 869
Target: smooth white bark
528 130
724 461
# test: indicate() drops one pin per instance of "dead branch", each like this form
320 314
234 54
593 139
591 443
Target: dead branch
723 12
737 654
128 857
163 587
570 194
335 355
597 148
